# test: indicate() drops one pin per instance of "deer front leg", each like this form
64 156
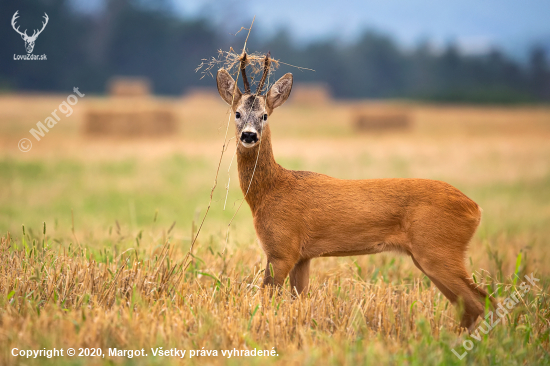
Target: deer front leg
276 271
299 277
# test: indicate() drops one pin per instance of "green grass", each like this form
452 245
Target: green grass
132 203
101 193
130 191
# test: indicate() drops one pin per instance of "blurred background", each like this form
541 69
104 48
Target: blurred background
459 51
454 90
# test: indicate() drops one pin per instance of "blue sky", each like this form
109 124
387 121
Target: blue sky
476 25
514 25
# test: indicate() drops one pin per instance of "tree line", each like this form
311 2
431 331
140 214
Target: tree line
145 38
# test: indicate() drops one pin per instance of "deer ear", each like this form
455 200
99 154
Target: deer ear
226 86
280 91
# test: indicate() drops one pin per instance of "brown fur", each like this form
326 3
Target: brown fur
303 215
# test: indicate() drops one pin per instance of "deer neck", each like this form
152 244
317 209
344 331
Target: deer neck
262 175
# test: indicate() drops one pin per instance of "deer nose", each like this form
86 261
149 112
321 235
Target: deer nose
249 137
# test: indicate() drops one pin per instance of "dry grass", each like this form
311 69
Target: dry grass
231 62
121 284
79 297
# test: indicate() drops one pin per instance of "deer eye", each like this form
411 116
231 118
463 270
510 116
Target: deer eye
265 117
237 115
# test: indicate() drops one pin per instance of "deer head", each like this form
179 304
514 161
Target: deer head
29 41
252 110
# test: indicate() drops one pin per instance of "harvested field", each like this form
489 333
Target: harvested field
98 263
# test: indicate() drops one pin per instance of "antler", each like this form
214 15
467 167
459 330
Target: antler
243 71
267 63
34 35
15 16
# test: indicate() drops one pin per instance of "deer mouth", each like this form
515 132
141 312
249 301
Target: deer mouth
248 143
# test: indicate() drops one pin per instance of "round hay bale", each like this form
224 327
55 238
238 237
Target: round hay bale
129 87
310 94
128 121
381 118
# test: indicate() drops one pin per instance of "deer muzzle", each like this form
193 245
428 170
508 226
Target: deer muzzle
249 137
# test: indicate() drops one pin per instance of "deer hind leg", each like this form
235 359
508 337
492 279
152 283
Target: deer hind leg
444 290
299 277
450 276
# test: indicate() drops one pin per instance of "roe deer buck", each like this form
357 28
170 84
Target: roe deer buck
300 215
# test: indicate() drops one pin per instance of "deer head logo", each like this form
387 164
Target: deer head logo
29 41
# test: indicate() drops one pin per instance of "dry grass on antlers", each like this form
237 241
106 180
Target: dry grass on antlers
230 61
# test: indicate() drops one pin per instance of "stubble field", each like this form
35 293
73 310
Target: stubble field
108 221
